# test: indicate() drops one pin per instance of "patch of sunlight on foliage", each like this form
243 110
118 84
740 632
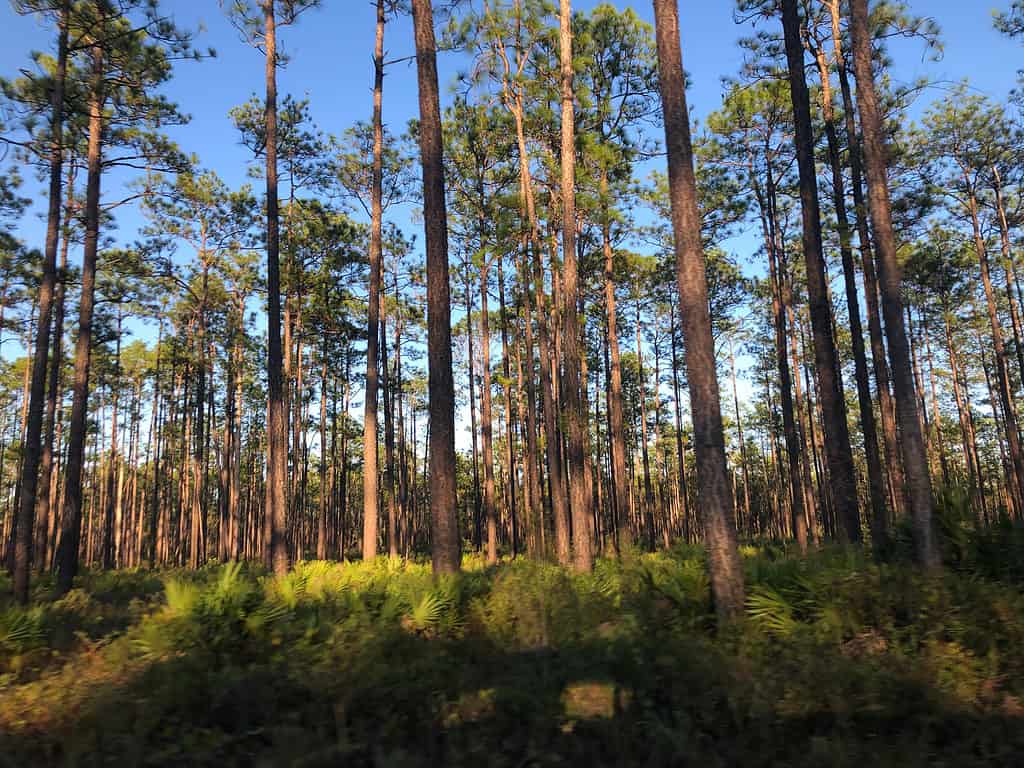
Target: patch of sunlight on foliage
590 699
181 598
770 611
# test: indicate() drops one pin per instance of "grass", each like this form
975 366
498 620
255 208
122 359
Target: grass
839 662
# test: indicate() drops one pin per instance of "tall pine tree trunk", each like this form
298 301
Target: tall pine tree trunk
887 408
616 420
714 493
837 435
915 459
445 542
486 418
876 478
71 524
37 392
371 502
572 395
276 553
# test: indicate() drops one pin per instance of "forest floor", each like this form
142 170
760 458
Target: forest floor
839 662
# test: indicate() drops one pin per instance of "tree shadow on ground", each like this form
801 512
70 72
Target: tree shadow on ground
404 699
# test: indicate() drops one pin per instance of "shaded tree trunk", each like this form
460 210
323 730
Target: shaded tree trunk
837 436
71 524
33 433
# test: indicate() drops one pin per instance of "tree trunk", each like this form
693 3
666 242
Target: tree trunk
486 418
276 554
71 525
714 494
616 420
837 435
647 511
112 458
572 396
445 543
1015 479
510 415
790 425
915 459
33 434
371 510
876 478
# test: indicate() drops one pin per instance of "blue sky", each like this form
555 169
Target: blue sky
331 47
330 52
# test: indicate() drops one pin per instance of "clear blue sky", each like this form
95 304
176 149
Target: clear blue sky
330 63
331 49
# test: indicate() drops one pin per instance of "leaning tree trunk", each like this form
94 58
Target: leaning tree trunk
714 493
915 458
837 433
441 387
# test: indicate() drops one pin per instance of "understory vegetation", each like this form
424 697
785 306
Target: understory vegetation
837 661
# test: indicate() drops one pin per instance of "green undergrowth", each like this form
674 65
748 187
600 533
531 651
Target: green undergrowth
838 661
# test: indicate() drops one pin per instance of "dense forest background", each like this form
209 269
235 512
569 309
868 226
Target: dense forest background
214 383
554 422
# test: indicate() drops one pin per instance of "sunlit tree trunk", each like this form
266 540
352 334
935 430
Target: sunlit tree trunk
371 502
915 459
276 554
714 493
445 542
572 395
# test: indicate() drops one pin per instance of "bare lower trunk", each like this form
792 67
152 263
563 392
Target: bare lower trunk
443 503
572 395
277 418
37 392
714 493
915 460
837 436
371 502
67 556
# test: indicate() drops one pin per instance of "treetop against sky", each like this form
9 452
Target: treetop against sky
330 63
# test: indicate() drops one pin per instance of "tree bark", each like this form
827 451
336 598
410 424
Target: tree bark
276 553
37 392
572 396
445 544
371 501
837 435
915 459
715 495
71 525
